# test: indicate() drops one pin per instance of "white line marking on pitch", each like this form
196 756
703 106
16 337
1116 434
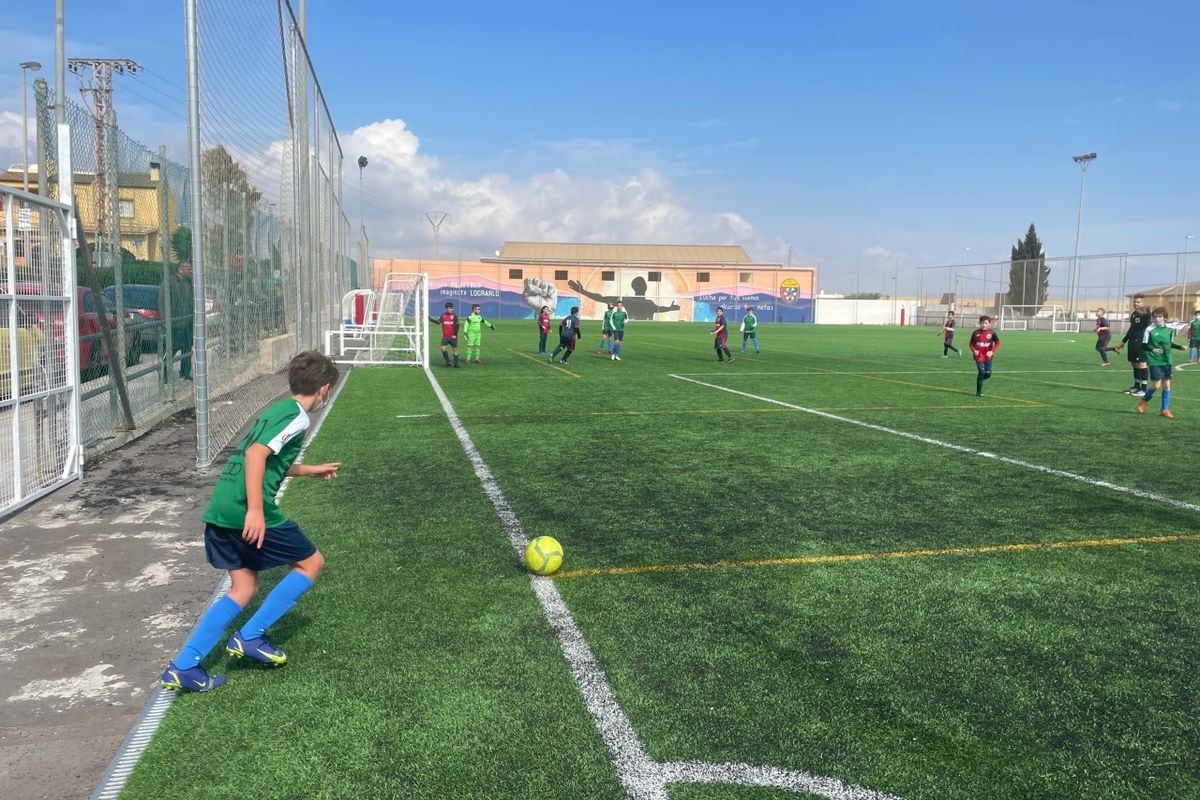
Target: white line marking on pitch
412 416
823 374
643 778
1016 462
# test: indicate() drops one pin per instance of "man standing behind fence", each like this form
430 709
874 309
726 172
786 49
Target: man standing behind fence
182 299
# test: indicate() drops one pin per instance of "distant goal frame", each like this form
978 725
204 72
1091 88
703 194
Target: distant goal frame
1048 317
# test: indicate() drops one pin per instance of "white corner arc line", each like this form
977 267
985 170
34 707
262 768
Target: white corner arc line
642 778
776 777
131 749
1016 462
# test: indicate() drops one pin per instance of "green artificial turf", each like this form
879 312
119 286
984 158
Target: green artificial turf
421 665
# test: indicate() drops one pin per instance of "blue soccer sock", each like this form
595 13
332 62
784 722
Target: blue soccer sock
617 350
213 623
278 602
1166 399
1149 393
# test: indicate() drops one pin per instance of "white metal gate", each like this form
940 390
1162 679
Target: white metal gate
40 307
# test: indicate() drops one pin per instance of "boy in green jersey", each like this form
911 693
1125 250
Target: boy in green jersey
473 330
749 329
619 317
246 533
1156 348
606 332
1194 338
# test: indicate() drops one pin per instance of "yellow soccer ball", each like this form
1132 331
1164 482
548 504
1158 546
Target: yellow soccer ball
544 555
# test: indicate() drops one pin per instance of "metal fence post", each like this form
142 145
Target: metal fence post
200 339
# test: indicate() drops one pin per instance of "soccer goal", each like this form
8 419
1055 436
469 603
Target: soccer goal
390 326
1051 318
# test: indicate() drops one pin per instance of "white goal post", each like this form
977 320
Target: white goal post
1046 317
389 326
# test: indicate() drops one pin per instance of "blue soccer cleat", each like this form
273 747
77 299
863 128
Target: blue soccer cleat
257 649
189 680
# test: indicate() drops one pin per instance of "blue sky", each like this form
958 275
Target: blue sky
863 135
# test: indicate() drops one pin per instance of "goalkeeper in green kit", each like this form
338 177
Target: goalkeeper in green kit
473 332
749 328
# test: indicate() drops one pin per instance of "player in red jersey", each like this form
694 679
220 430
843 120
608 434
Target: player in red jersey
720 334
984 344
449 322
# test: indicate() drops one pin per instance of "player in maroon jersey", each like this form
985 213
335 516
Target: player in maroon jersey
720 334
984 344
449 322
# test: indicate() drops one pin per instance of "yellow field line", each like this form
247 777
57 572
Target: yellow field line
540 360
1029 403
892 554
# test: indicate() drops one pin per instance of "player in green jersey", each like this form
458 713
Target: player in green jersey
749 328
1156 348
606 332
246 533
618 319
1194 338
473 331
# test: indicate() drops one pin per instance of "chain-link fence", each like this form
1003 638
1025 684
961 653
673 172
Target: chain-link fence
273 253
207 286
1044 288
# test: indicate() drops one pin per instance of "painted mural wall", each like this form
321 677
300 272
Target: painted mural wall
661 293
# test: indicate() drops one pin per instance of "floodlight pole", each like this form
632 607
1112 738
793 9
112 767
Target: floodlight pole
1187 241
1073 287
26 68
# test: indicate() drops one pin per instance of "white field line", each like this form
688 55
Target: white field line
823 374
642 778
1016 462
121 767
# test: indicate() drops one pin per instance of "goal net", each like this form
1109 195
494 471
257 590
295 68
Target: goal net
389 326
1051 318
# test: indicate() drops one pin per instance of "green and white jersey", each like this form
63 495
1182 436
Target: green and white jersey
281 427
473 325
617 321
749 322
1157 336
1194 329
608 319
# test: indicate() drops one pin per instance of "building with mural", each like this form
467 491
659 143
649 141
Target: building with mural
658 282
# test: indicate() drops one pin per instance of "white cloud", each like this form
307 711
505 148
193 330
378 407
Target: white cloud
1171 106
641 205
10 139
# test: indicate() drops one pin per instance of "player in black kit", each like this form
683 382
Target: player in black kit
1139 318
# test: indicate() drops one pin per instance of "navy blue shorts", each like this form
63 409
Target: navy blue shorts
1160 373
284 544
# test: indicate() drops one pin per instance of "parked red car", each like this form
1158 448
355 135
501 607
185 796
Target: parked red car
93 360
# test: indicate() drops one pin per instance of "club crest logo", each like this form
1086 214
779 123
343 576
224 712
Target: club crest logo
789 291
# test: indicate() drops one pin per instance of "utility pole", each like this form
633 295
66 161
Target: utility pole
108 220
108 217
435 219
